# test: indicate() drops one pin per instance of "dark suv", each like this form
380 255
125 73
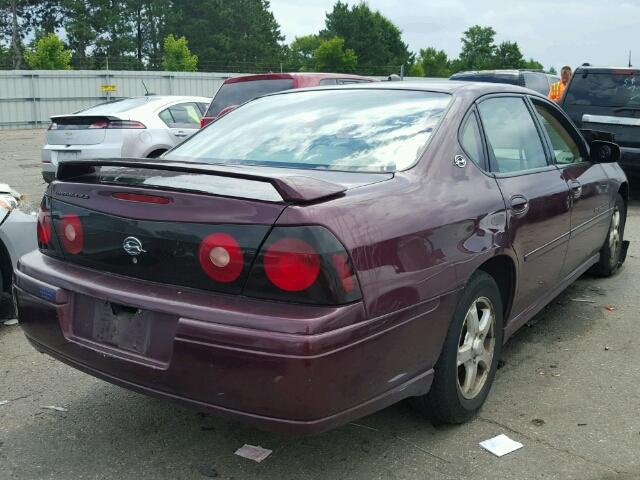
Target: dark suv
608 100
538 81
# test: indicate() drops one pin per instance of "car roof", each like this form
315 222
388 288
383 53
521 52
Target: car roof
444 86
151 101
291 75
620 70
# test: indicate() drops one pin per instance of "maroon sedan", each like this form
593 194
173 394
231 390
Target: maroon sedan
319 254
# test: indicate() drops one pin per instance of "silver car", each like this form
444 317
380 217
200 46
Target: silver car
17 233
133 127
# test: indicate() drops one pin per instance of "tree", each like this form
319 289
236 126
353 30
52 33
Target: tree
416 70
553 71
48 53
376 41
508 55
435 63
239 35
478 48
302 50
532 64
177 57
331 56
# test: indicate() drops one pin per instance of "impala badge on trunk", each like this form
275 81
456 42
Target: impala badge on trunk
133 247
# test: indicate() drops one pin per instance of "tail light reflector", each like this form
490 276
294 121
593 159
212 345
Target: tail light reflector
71 234
137 197
44 227
221 257
291 264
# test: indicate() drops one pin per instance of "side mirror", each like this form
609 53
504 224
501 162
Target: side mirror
604 152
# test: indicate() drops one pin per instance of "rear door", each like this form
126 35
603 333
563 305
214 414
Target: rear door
536 195
183 120
587 182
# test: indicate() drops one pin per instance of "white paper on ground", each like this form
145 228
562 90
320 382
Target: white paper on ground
500 445
53 407
256 454
13 321
3 402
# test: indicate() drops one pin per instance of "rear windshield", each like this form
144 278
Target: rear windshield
353 130
239 92
605 89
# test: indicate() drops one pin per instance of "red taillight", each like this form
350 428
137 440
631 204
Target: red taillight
221 257
126 124
99 124
71 233
117 124
44 227
291 264
138 197
204 121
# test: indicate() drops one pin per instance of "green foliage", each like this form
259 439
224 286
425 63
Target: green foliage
331 56
508 55
416 70
376 41
239 35
532 64
177 57
553 71
48 53
435 63
478 48
301 52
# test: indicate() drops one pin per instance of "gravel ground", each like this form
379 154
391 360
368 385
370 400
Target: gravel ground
567 391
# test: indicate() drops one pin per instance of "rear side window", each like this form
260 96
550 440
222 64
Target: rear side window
512 136
234 94
537 82
471 140
611 89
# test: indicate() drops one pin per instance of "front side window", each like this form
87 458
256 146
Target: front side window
512 137
565 149
372 130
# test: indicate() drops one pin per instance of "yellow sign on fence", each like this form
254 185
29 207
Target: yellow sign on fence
108 88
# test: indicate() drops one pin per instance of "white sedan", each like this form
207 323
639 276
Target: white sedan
140 127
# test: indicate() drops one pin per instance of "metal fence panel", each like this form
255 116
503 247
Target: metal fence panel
28 98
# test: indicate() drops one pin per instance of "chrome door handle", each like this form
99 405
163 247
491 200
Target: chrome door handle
576 189
519 205
180 133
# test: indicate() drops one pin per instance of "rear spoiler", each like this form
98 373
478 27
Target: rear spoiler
293 188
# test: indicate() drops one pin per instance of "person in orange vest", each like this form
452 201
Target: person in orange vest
557 89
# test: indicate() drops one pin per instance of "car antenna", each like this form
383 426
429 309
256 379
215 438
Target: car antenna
146 89
630 59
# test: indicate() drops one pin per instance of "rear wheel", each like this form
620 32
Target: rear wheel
611 252
467 365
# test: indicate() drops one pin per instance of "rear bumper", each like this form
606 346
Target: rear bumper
286 368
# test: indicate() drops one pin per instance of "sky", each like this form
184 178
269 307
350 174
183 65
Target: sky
554 32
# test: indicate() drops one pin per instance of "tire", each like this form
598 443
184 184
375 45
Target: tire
611 257
451 399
